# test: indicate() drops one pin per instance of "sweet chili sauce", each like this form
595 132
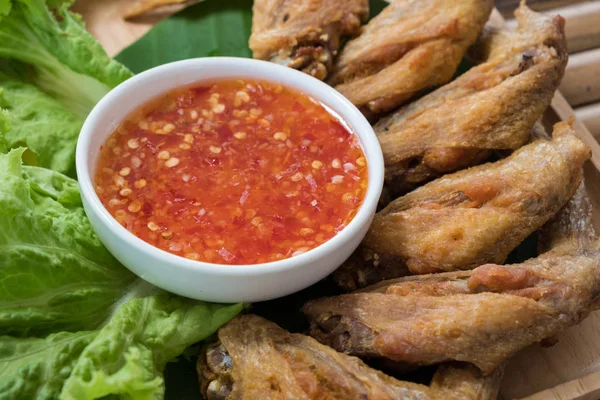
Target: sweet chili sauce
232 172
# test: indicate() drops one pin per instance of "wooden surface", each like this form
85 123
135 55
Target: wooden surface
506 7
590 116
581 84
103 20
568 370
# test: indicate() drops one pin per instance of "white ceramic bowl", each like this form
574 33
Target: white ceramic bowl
216 282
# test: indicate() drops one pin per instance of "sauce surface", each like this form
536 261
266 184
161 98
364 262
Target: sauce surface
232 172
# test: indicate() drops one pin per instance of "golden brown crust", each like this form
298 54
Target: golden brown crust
493 106
482 316
140 7
304 34
410 46
263 361
471 217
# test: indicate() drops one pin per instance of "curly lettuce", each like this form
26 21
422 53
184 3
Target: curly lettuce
33 119
56 53
55 275
129 354
124 360
77 324
36 368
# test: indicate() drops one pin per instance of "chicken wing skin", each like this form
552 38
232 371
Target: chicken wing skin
304 34
410 46
256 359
483 316
471 217
493 106
140 7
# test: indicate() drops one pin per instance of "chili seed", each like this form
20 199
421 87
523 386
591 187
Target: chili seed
174 246
125 171
348 198
306 231
114 202
240 135
139 184
133 143
164 155
280 136
119 180
120 214
336 163
168 128
172 162
135 206
136 162
256 221
349 167
219 108
241 97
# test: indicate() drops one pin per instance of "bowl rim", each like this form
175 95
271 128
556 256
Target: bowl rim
354 121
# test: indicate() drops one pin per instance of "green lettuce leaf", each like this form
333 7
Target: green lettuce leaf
35 368
57 54
125 359
55 275
35 120
207 29
129 354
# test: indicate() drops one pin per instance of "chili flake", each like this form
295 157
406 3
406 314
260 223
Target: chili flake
232 172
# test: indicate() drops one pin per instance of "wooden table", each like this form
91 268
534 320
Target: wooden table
570 369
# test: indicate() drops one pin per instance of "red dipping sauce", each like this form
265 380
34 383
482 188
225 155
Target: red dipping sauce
232 172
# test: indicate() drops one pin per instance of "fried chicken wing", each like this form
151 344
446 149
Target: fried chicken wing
471 217
140 7
304 34
256 359
410 46
493 106
482 316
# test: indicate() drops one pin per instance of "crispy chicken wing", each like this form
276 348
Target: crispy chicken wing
140 7
493 106
256 359
410 46
471 217
483 316
304 34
